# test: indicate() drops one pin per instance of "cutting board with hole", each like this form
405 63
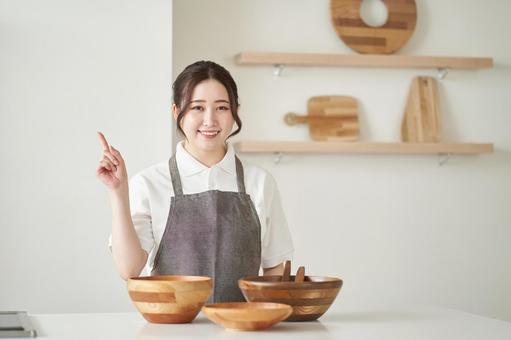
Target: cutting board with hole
385 39
330 118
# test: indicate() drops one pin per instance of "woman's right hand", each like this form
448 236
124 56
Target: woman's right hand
112 170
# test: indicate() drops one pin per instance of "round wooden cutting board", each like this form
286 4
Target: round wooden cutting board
386 39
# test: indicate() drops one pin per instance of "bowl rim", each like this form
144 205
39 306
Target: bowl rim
171 278
242 306
332 282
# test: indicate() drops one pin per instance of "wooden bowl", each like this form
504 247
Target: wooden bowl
247 316
310 299
169 298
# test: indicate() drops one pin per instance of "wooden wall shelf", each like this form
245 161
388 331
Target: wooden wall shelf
361 60
362 148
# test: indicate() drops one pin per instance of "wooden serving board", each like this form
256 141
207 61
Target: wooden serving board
330 118
363 38
421 118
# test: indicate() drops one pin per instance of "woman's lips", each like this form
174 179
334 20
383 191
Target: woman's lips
208 133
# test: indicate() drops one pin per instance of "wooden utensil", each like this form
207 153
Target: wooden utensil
300 274
332 118
363 38
421 118
247 316
169 298
287 271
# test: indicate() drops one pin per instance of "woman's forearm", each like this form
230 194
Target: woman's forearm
129 257
277 270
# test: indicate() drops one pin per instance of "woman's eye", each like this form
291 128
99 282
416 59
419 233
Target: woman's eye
196 108
223 108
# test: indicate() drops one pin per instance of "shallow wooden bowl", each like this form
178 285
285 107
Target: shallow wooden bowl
247 316
169 298
310 299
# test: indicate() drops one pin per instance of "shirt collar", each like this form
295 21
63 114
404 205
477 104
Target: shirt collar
189 166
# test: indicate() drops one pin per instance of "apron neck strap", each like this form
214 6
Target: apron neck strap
240 177
176 178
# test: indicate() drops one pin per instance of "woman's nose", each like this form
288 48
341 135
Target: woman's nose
208 118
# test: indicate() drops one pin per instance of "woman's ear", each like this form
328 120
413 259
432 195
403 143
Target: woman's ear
174 111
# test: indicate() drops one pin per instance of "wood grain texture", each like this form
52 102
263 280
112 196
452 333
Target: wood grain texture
168 298
247 316
362 38
310 299
421 119
363 148
330 118
361 60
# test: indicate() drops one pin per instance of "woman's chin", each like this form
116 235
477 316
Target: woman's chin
210 144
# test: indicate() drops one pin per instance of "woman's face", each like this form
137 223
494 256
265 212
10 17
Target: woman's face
208 121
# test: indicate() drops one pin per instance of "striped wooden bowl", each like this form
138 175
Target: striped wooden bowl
246 316
310 299
169 298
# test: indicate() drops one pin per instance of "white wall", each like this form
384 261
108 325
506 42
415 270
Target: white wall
397 229
67 69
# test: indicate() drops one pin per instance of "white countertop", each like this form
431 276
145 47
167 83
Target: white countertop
390 323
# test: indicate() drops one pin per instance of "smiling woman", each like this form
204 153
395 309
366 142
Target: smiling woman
207 121
225 219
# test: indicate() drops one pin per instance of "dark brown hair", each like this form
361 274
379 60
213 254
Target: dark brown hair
194 74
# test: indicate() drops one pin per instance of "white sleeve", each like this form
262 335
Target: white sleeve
140 209
277 244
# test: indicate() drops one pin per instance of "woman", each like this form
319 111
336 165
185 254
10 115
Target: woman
225 219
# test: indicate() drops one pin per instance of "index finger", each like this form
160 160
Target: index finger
103 141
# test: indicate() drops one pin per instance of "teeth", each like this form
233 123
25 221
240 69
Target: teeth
209 133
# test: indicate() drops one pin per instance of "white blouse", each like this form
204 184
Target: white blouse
151 189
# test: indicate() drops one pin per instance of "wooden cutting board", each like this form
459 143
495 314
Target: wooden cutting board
386 39
330 118
421 118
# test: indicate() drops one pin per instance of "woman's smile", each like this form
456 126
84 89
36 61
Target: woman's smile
208 134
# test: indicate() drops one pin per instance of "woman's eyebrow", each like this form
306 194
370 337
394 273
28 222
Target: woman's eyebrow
203 101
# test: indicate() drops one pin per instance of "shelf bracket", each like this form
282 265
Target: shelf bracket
442 72
277 157
277 70
443 158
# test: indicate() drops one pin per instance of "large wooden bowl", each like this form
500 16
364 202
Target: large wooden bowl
310 299
168 298
247 316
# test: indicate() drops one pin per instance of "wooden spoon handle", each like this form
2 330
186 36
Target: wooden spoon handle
287 271
300 274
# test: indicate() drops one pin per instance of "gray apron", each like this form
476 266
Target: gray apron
212 233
